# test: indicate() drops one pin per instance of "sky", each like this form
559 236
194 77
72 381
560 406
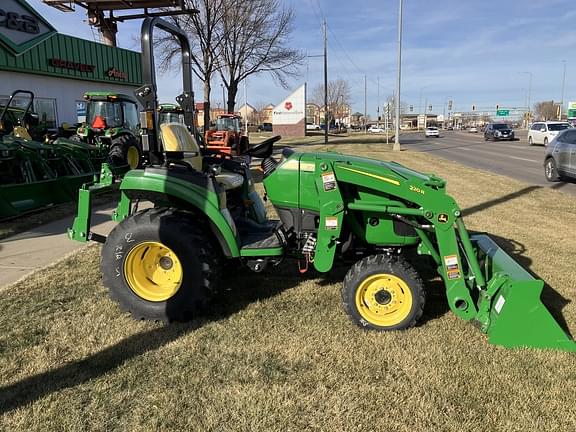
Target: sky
481 53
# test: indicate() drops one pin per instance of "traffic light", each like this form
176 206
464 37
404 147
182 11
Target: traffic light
411 108
449 105
497 106
473 107
429 107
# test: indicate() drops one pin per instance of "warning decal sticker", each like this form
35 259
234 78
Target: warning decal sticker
331 223
329 181
452 267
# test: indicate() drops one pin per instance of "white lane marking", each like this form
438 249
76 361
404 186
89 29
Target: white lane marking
522 159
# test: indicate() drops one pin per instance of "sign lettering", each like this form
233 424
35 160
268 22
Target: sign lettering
65 64
22 23
115 73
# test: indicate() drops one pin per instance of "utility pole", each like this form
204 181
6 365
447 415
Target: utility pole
365 104
245 107
326 125
563 83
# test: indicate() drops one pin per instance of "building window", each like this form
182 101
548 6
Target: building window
46 110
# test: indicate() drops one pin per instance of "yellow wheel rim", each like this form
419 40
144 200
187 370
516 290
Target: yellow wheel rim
153 271
133 157
383 300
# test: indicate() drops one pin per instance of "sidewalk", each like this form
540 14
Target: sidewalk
34 249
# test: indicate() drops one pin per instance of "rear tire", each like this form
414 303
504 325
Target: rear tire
550 171
160 264
383 293
125 150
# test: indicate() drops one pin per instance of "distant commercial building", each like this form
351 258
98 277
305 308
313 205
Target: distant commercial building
57 68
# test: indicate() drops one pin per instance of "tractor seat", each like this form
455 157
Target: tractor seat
229 180
177 138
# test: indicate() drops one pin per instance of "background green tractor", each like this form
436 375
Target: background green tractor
164 262
112 122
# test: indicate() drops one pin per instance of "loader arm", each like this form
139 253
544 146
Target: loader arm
500 296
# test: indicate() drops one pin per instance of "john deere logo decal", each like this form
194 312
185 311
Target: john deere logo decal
442 218
288 105
21 27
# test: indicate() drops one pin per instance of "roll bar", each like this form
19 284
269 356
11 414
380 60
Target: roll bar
147 94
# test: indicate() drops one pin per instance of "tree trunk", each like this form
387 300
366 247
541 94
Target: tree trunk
232 91
207 104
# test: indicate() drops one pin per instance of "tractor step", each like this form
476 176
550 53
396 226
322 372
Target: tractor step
261 240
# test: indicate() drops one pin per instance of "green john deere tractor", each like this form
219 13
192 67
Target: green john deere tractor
112 123
163 263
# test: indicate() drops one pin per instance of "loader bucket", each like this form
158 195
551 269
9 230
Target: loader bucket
518 318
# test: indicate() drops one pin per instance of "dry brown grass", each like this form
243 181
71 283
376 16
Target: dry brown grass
277 353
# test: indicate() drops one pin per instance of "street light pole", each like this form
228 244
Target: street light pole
529 114
396 146
326 125
563 83
223 98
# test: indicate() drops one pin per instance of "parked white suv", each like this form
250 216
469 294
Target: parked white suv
544 132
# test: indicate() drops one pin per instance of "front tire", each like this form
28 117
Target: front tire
160 264
546 142
383 293
530 141
125 150
550 171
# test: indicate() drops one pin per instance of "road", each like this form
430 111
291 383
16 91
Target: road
514 159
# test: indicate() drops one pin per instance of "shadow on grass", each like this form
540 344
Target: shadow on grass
228 302
508 197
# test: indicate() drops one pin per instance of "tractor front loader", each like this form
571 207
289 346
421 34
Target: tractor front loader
164 263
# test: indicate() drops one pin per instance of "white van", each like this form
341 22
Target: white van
544 132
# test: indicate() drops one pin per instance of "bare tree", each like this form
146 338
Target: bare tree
254 35
203 29
546 110
339 99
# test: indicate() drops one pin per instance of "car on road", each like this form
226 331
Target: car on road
265 127
560 158
498 131
473 129
312 127
544 132
431 132
375 129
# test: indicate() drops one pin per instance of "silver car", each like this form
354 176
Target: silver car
560 159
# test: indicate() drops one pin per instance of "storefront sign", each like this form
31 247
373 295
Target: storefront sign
115 73
21 27
292 109
66 64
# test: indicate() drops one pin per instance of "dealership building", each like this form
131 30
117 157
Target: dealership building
58 68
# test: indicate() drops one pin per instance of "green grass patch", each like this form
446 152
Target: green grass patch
277 353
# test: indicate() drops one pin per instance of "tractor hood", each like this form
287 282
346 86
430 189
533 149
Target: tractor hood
376 169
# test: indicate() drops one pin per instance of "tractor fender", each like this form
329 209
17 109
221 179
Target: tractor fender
196 192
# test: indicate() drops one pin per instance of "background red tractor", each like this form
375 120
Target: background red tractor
226 136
